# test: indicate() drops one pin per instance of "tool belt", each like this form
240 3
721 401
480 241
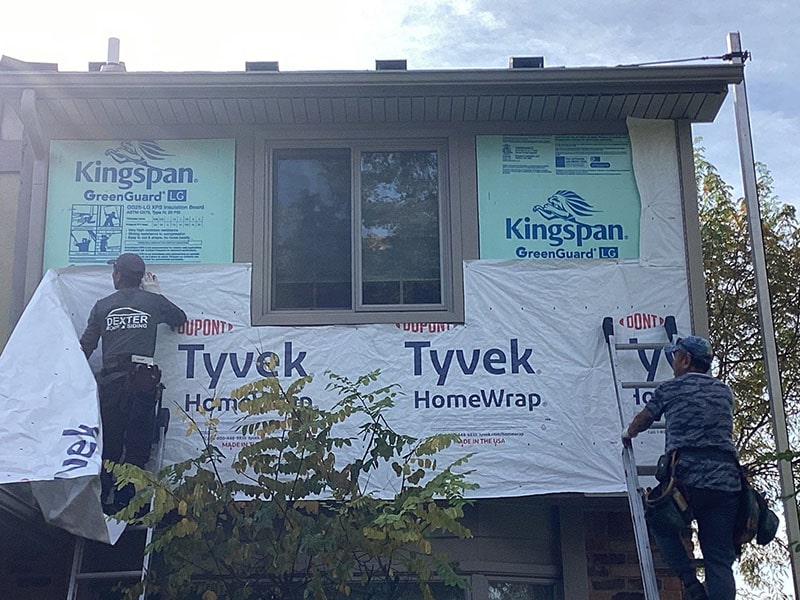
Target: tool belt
755 519
141 373
665 506
144 378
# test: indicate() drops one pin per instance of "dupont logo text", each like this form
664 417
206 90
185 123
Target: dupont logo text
639 321
205 327
425 327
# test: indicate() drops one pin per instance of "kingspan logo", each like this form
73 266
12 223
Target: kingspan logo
142 153
567 211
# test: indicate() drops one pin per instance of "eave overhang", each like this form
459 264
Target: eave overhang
124 99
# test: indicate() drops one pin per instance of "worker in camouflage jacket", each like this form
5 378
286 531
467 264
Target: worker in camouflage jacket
698 410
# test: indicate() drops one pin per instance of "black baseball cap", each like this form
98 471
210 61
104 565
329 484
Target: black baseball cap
128 262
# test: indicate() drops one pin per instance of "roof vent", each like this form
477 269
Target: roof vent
270 66
526 62
391 65
112 65
14 64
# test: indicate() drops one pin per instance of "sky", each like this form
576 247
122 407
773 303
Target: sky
313 35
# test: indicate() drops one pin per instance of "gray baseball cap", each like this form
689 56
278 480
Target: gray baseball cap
697 347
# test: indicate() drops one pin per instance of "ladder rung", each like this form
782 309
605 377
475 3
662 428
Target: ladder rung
640 346
627 385
646 469
108 574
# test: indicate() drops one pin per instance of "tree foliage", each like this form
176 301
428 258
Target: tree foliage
400 214
298 520
736 336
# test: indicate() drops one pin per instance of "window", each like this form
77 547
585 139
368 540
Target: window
510 590
401 591
400 254
356 233
311 214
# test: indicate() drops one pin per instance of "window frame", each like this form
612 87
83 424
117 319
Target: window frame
449 309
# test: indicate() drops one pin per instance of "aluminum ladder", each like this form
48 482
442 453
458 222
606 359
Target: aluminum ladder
646 565
79 576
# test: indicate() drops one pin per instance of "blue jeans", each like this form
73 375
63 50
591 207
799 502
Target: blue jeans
715 512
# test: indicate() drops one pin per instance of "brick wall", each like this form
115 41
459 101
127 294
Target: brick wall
613 563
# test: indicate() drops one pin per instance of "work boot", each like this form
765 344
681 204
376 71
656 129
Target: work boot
110 508
695 591
123 496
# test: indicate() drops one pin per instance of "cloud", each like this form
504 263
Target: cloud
436 34
605 32
771 129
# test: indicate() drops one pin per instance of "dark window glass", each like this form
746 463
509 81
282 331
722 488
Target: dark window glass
311 230
504 590
401 591
400 228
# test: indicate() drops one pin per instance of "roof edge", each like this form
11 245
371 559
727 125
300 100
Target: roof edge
718 74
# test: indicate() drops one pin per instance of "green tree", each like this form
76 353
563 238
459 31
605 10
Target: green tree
400 227
735 332
297 520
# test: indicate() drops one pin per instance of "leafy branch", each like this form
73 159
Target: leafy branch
296 518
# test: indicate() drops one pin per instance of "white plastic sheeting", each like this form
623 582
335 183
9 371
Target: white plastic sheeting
50 436
525 381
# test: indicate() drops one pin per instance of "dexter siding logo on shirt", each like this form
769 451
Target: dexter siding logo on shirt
126 318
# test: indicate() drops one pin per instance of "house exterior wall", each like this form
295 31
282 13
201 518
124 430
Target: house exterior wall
10 165
612 561
572 545
9 193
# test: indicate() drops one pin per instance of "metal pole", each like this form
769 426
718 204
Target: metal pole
765 308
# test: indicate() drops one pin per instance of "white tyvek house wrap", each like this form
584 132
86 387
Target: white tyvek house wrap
43 372
655 166
50 438
525 380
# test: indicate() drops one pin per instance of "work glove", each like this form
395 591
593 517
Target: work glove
626 437
150 283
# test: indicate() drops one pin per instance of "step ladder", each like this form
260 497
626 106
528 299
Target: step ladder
108 566
632 472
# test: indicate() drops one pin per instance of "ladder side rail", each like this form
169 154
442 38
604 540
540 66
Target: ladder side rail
163 425
77 561
646 565
608 332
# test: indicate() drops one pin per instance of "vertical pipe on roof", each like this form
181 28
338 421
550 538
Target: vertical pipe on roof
113 50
